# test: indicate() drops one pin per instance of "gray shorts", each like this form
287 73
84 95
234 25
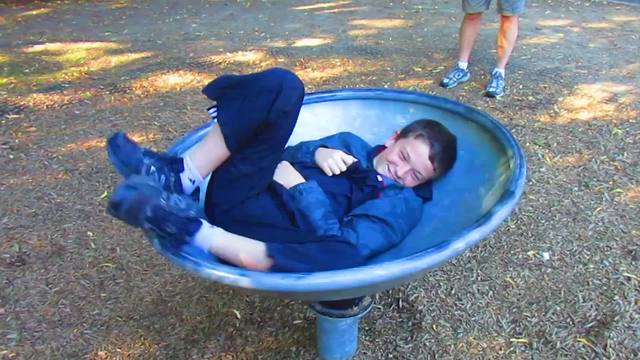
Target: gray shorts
505 7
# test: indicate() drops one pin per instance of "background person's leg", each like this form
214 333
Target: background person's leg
506 40
469 30
470 26
507 35
509 11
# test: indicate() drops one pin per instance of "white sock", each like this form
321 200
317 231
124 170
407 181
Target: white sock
190 177
463 65
501 71
206 236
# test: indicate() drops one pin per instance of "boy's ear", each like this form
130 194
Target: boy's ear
391 140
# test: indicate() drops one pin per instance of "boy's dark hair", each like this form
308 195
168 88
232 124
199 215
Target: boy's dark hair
443 144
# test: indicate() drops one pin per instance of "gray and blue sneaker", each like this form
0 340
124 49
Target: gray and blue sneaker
141 202
496 86
130 159
454 77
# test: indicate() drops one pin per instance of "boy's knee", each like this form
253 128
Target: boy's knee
292 84
509 19
289 81
290 94
473 17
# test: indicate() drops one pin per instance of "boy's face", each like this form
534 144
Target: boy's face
406 161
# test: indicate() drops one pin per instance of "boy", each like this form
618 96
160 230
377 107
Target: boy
319 205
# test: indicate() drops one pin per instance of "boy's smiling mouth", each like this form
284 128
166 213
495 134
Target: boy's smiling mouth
390 174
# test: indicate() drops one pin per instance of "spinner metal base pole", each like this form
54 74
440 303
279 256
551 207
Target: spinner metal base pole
337 326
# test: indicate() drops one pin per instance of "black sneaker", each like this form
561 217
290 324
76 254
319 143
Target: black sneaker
141 202
496 86
454 77
130 159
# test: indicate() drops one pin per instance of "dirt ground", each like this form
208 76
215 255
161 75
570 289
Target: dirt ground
559 280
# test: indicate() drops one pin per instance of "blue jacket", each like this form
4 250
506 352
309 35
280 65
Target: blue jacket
373 227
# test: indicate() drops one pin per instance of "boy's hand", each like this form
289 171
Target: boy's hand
287 175
333 161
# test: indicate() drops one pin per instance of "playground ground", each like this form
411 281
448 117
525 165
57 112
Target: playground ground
559 280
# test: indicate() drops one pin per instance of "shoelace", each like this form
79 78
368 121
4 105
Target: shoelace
455 75
496 83
165 179
176 203
458 73
184 204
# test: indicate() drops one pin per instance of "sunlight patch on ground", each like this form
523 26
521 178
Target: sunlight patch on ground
144 137
605 101
53 100
35 12
322 69
333 11
70 46
631 194
387 23
323 5
628 70
82 56
573 160
414 84
110 61
85 145
120 4
85 67
55 62
597 25
303 42
543 39
40 178
363 32
276 43
24 16
100 142
624 18
164 81
312 42
249 56
554 22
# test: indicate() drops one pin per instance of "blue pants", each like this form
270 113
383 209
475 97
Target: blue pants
257 114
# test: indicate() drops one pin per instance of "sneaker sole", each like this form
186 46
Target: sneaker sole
122 200
117 164
462 80
492 95
150 192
